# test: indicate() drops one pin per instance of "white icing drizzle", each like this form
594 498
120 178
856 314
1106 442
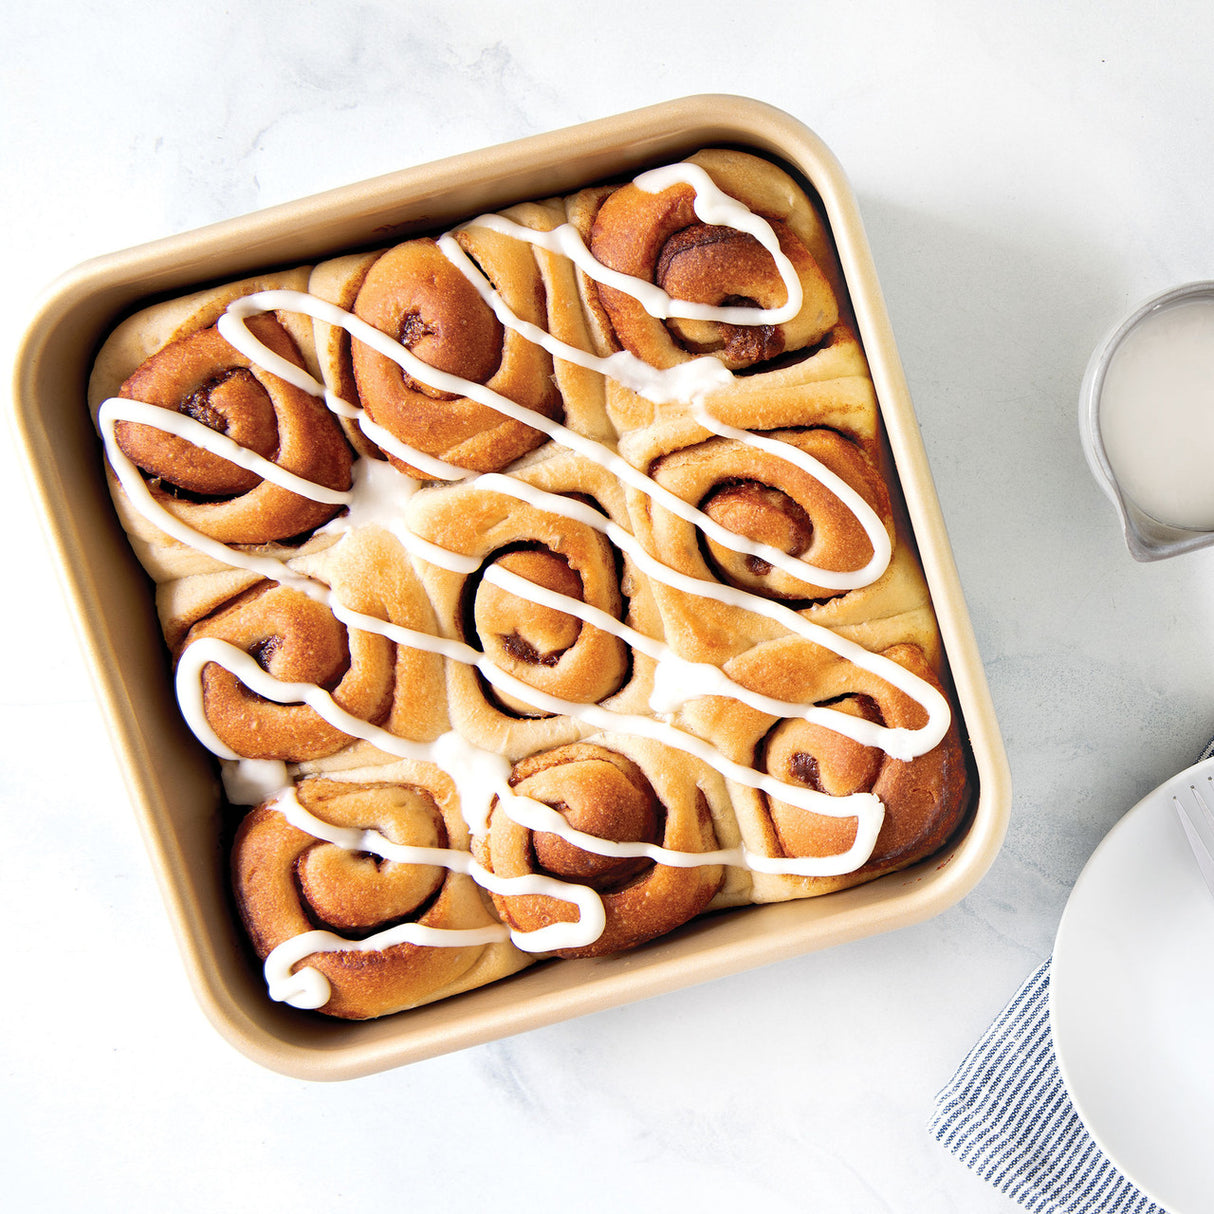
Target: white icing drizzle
477 792
682 382
480 776
713 206
877 564
308 987
707 680
899 742
379 494
234 329
251 781
117 409
194 432
689 381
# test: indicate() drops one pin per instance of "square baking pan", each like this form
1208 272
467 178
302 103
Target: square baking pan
173 783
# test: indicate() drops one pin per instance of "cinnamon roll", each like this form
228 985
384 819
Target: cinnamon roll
808 365
657 235
626 793
311 904
199 376
924 797
375 589
544 649
419 298
769 502
295 640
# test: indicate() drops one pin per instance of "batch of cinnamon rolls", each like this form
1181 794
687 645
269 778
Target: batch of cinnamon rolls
537 584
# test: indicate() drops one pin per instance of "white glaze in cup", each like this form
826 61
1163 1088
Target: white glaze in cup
1147 538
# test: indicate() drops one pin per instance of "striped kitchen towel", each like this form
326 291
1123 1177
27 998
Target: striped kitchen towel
1006 1114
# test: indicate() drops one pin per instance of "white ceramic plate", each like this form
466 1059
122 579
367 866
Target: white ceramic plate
1132 1005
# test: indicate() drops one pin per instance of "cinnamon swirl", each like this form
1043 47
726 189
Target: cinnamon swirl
311 905
632 796
418 297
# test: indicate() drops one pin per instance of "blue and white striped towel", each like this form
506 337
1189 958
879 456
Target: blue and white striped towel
1007 1115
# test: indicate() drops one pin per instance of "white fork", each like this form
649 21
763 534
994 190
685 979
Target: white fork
1192 795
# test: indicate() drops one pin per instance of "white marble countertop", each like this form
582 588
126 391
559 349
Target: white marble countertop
1026 174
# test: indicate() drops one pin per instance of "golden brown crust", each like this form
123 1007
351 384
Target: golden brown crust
368 572
762 498
658 238
338 281
414 294
298 639
648 796
544 647
149 330
205 378
309 434
924 798
287 882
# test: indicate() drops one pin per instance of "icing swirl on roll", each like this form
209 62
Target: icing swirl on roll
215 489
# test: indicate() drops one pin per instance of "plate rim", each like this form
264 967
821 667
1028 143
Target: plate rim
1155 799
